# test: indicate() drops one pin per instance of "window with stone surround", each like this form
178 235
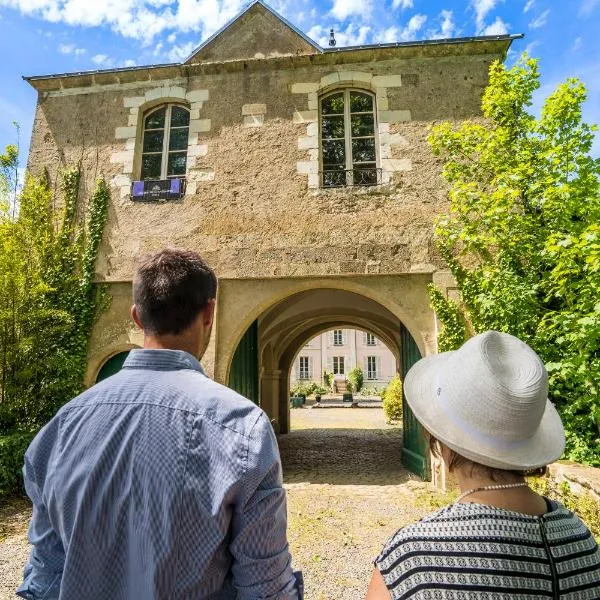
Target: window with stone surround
165 142
338 337
370 339
305 368
338 365
348 141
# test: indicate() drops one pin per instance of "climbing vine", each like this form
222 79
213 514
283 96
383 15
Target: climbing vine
48 300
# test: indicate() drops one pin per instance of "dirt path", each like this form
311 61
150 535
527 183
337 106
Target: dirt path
347 493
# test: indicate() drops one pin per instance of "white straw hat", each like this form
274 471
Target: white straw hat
488 401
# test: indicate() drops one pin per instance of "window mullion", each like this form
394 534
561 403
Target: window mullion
348 138
165 155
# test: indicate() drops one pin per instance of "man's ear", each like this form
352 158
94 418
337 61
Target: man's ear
208 314
135 317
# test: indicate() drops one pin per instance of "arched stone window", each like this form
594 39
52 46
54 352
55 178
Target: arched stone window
165 142
348 146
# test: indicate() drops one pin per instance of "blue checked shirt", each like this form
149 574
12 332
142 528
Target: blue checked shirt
157 483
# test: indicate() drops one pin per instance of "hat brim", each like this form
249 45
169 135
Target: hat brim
544 447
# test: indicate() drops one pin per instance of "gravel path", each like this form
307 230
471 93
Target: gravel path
347 493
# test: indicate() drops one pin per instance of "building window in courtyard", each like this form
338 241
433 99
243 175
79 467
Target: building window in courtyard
370 339
372 367
165 142
338 337
338 365
348 152
304 371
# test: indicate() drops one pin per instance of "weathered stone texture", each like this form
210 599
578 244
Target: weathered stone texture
249 210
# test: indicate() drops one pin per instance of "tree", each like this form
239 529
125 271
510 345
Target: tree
522 237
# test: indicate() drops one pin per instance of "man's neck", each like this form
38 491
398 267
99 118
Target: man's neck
171 342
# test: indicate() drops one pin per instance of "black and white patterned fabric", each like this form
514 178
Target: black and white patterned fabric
471 551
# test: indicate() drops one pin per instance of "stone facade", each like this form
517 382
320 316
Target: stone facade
253 206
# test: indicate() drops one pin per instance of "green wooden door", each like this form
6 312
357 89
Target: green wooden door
243 376
112 366
415 451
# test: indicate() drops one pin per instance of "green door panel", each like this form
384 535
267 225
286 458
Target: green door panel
112 366
415 451
243 376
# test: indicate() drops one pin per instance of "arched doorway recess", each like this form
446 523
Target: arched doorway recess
272 342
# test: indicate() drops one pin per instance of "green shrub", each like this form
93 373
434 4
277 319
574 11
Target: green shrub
356 379
12 452
392 400
327 379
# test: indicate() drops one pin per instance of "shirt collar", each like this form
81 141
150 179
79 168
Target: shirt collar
162 360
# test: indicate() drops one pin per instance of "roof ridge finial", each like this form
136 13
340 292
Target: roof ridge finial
332 40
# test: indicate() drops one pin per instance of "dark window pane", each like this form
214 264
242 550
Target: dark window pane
153 141
334 177
360 102
332 127
333 105
334 153
177 162
178 139
365 174
180 117
363 150
151 166
156 119
363 125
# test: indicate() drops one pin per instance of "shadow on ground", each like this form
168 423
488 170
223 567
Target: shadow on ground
343 456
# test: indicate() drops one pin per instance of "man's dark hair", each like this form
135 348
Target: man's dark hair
170 289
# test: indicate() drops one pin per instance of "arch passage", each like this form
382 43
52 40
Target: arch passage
268 348
112 366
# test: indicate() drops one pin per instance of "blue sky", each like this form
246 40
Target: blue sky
56 36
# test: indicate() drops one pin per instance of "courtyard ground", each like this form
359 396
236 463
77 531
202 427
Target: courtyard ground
347 493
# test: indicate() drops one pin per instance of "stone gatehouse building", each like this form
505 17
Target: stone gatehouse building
302 174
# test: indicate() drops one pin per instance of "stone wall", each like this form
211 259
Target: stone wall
252 207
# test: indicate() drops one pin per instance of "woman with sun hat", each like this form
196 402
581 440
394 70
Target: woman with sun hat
486 409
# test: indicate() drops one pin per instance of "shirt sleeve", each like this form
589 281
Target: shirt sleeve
43 571
261 559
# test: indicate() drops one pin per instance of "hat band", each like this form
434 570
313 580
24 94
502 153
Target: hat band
469 429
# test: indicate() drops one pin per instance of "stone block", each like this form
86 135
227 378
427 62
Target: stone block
198 150
313 102
200 126
395 165
383 128
313 155
357 76
194 114
312 129
133 101
330 79
394 116
254 109
154 94
123 133
197 96
132 121
304 88
121 181
128 168
176 92
254 120
314 181
124 156
382 102
190 188
308 143
307 167
393 139
196 105
130 144
203 175
387 81
306 116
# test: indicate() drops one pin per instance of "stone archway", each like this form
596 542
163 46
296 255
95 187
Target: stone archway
285 326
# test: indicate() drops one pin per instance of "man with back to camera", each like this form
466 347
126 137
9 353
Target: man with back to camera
159 483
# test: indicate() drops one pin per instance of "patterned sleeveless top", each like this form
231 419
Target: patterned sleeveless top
471 551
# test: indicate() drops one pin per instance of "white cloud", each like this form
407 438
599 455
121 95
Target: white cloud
498 27
138 19
447 27
407 33
351 36
588 6
576 44
71 49
531 47
482 8
402 4
528 5
102 60
342 9
540 21
182 51
129 63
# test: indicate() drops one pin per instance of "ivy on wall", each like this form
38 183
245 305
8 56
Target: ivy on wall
48 302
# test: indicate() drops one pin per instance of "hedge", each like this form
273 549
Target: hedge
12 453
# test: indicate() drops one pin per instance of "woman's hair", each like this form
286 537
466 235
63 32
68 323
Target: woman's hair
456 461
